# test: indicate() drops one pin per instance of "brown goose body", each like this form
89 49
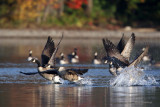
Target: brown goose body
119 60
71 74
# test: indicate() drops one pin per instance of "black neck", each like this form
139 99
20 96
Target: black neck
62 57
95 57
30 55
75 52
37 62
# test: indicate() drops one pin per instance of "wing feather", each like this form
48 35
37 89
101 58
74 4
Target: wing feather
47 51
128 47
139 58
52 60
78 71
121 44
113 52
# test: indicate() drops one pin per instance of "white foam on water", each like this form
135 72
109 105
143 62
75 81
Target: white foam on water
130 76
85 81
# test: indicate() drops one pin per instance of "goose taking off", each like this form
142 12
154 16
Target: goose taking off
46 68
119 60
122 52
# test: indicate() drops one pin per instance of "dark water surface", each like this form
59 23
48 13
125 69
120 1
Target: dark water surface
18 90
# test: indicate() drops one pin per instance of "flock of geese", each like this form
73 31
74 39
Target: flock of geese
118 57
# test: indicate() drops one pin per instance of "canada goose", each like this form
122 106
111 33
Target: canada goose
46 67
72 75
73 58
62 59
96 60
147 58
121 52
120 60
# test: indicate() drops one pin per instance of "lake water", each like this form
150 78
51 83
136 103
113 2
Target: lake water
95 90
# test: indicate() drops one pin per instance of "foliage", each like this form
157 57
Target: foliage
76 4
74 13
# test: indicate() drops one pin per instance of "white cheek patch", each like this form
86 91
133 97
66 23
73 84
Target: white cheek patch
96 54
73 53
106 62
62 54
111 63
34 60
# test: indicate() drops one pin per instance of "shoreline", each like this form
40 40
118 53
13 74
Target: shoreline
76 34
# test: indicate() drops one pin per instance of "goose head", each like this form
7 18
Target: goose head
30 58
73 53
62 56
95 55
143 49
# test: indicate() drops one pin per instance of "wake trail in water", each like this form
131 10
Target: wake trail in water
131 76
84 81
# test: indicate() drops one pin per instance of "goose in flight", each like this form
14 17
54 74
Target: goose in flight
48 70
118 60
47 66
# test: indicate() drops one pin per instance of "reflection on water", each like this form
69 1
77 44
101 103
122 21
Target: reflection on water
50 95
134 96
22 90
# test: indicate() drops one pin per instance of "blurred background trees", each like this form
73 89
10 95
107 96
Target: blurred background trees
110 14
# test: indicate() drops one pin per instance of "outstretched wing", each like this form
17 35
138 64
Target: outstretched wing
47 51
113 52
139 58
78 71
52 60
128 47
121 44
31 73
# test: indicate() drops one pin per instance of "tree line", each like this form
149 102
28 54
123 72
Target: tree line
79 13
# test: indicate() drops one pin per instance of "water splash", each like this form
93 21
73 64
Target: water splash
130 76
84 81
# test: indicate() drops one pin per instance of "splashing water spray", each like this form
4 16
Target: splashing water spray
130 76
